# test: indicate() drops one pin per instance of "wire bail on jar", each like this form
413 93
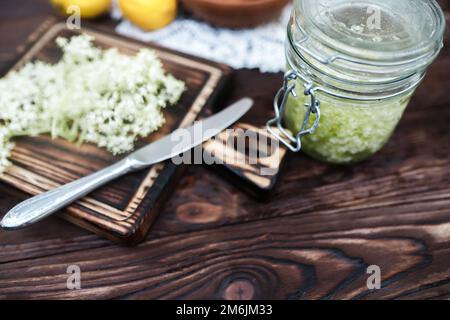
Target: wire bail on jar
283 135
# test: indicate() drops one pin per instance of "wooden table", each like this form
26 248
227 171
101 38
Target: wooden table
314 240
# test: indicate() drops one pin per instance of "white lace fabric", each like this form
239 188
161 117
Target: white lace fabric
261 47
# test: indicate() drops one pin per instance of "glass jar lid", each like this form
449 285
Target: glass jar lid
375 40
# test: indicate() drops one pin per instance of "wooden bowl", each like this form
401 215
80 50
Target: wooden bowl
235 13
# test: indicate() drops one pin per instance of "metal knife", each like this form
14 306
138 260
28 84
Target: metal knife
41 206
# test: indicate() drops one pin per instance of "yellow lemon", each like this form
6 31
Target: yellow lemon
149 14
88 8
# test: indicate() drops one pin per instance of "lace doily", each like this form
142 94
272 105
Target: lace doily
261 47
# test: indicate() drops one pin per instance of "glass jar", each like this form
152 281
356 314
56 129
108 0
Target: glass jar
352 69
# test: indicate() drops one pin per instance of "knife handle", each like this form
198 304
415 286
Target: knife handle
45 204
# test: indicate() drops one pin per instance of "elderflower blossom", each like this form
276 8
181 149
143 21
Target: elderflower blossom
90 95
5 148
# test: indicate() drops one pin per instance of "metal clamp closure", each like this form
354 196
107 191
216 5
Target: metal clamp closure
280 101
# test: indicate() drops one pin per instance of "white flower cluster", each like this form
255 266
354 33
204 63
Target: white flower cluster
5 149
91 95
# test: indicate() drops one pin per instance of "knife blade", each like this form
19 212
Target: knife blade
170 146
41 206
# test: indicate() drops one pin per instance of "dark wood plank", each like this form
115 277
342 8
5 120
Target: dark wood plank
314 239
262 259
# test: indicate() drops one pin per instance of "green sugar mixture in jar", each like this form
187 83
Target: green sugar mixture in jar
349 131
362 61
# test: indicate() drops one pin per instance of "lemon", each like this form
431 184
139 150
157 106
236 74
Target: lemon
149 14
88 8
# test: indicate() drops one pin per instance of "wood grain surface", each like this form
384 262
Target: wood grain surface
313 240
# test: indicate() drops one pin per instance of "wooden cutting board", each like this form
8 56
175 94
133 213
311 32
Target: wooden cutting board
124 209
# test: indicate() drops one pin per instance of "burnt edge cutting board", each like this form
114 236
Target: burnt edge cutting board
259 169
123 210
